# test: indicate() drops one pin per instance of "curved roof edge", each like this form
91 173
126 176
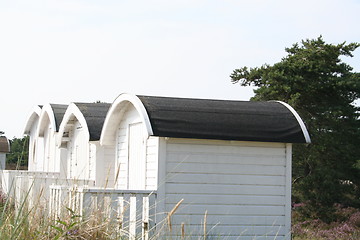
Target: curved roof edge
54 113
224 120
94 115
71 112
33 115
300 121
115 114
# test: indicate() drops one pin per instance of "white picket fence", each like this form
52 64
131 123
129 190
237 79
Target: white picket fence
9 182
32 189
132 211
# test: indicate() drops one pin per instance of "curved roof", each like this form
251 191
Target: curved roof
212 119
94 114
33 117
115 114
224 120
90 115
4 145
59 111
52 113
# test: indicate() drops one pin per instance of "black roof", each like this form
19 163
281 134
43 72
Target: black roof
223 120
59 111
94 114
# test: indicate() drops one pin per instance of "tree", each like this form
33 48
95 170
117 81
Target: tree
322 88
19 151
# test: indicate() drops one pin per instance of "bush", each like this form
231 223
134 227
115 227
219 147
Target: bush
347 227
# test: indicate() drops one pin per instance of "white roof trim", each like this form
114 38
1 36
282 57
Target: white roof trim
71 111
33 115
300 121
107 133
46 111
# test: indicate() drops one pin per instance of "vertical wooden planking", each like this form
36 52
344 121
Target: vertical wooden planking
138 214
132 218
145 219
121 171
126 213
151 213
151 162
120 213
288 176
136 157
161 183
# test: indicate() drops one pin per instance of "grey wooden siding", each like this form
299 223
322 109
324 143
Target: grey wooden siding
240 185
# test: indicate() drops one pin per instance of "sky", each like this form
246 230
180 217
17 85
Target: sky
63 51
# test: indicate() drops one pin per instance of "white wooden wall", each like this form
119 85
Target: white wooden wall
103 158
39 155
105 167
241 185
32 147
80 165
136 154
50 163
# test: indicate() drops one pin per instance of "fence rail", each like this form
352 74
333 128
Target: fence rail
132 211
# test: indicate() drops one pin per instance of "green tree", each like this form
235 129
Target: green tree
322 88
19 152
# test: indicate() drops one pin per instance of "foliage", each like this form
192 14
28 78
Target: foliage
19 152
346 228
314 80
65 229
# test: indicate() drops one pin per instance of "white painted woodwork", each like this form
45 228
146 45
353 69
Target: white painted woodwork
243 187
78 156
103 160
136 154
39 154
32 146
136 157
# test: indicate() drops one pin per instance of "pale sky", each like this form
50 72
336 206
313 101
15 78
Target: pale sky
62 51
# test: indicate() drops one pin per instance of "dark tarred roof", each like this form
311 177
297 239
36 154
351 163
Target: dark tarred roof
59 111
223 120
94 114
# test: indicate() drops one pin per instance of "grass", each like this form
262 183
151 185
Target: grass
31 224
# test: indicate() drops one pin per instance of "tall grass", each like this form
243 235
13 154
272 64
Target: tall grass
24 223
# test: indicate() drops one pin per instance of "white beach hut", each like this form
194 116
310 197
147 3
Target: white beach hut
30 130
227 162
4 149
79 134
49 158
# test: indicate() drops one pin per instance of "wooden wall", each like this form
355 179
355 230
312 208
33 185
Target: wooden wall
79 162
32 146
242 187
141 173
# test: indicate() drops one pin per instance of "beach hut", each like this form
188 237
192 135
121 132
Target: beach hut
4 149
227 162
79 135
31 130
